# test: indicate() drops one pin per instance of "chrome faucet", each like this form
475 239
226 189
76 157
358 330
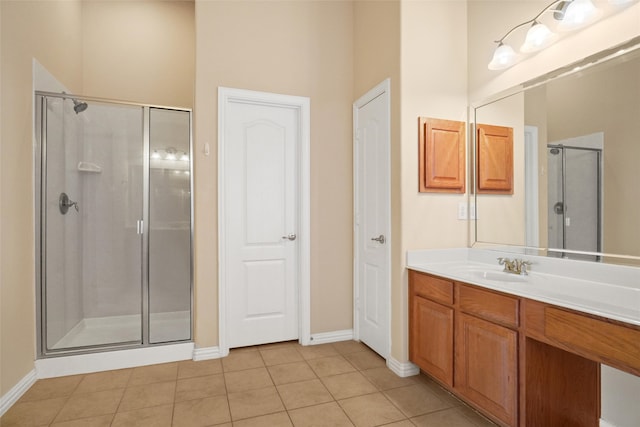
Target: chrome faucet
514 266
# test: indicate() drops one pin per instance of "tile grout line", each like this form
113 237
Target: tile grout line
124 391
274 385
175 393
68 398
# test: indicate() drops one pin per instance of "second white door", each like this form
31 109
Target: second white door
372 217
260 142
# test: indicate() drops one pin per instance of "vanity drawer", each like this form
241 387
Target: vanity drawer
433 288
489 305
602 340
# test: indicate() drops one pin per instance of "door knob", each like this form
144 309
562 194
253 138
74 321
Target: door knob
289 237
380 239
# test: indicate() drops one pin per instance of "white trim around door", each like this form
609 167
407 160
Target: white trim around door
302 106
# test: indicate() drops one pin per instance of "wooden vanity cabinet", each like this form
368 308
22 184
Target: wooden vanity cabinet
464 337
486 366
486 351
520 362
431 326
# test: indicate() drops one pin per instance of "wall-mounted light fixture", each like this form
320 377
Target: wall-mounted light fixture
567 15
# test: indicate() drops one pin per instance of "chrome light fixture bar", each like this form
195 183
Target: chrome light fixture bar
571 14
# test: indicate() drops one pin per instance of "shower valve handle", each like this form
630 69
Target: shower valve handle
64 203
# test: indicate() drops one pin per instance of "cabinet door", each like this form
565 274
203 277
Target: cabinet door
486 366
442 155
431 341
494 159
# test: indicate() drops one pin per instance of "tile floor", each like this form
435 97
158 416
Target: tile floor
285 384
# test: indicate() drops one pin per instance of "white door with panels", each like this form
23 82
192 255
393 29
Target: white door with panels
372 219
260 217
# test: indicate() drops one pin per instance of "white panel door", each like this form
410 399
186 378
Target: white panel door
372 206
261 257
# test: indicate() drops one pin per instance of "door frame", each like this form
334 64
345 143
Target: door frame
379 89
302 104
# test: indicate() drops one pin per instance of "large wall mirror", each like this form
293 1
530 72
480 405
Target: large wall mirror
576 162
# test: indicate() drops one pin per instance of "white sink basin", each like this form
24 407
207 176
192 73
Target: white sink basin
480 272
498 276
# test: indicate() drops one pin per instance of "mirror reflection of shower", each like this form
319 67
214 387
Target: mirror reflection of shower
574 199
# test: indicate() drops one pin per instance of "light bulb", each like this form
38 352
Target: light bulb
171 154
155 154
538 37
503 57
578 14
184 157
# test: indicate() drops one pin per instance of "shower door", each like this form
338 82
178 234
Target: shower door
169 299
574 199
91 206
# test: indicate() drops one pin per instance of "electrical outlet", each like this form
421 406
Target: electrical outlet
462 210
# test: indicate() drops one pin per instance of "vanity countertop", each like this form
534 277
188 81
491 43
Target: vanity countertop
606 290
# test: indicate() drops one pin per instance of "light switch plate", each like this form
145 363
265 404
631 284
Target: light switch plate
462 210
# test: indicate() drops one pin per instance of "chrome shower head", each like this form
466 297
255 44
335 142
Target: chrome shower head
78 106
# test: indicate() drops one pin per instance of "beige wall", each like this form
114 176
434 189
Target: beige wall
296 48
377 57
142 51
434 84
500 217
535 114
491 19
49 31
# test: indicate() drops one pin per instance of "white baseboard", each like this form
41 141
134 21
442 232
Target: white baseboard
109 360
604 423
17 391
329 337
402 369
206 353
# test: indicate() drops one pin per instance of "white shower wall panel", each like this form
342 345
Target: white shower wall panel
112 256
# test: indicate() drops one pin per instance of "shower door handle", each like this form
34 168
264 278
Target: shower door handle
558 208
140 226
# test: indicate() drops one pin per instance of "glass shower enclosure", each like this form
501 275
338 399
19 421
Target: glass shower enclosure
574 200
114 224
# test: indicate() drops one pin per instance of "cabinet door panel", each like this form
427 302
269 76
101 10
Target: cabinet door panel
432 338
486 366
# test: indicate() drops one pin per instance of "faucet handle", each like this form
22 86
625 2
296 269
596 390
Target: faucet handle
501 260
524 264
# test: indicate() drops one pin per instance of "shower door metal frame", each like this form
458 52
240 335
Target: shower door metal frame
598 152
40 168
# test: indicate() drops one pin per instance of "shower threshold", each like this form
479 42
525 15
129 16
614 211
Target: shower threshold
165 327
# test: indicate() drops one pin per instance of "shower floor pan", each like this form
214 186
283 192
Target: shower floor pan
164 327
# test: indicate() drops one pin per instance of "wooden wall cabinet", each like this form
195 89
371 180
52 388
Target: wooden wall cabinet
442 154
494 159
